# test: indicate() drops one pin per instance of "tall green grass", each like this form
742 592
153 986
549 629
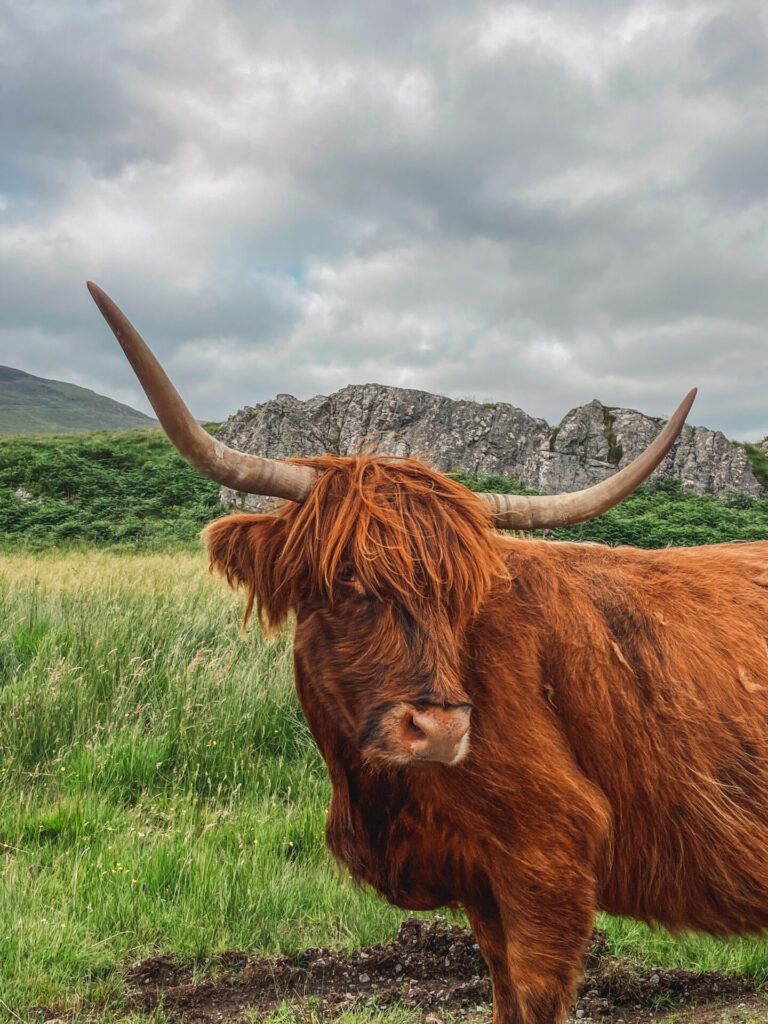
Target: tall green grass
160 791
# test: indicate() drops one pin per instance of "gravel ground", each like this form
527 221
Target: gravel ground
434 966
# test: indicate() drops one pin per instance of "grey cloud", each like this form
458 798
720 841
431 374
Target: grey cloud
731 48
733 171
69 99
294 196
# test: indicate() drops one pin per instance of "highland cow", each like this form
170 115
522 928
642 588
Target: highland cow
528 729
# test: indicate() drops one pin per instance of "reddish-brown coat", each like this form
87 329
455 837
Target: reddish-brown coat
618 753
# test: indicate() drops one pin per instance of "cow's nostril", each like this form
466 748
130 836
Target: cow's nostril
435 733
411 731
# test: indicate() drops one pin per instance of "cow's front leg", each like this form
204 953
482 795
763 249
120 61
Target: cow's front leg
535 959
489 933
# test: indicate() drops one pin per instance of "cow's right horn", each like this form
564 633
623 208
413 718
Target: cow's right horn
538 511
241 472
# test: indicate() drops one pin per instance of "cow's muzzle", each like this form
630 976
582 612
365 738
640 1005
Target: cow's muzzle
408 733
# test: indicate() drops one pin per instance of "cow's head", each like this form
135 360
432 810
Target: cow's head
385 564
384 561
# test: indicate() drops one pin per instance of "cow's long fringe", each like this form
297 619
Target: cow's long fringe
407 533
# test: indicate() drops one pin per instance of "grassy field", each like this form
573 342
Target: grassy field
160 792
159 789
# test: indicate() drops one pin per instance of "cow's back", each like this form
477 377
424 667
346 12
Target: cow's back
655 664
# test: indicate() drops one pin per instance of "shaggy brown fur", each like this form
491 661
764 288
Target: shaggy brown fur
618 754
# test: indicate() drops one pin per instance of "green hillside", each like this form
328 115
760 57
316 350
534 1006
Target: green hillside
33 405
133 488
109 487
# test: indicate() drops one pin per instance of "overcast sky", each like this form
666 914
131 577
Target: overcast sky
538 203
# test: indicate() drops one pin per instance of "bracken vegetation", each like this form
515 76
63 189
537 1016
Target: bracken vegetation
133 490
128 488
759 461
656 515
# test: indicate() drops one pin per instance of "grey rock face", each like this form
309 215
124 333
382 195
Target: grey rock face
705 460
591 442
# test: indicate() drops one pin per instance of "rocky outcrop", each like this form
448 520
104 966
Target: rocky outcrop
590 443
594 441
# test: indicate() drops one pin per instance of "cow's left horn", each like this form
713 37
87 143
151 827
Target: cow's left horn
536 512
241 472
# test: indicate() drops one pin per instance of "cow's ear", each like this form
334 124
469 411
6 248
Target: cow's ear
243 548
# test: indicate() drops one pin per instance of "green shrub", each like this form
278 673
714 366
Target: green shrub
132 489
657 515
758 460
101 488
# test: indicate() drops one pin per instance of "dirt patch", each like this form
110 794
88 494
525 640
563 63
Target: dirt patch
432 965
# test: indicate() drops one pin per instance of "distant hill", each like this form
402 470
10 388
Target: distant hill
34 405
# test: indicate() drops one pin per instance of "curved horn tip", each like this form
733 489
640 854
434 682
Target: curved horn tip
102 300
680 414
100 297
